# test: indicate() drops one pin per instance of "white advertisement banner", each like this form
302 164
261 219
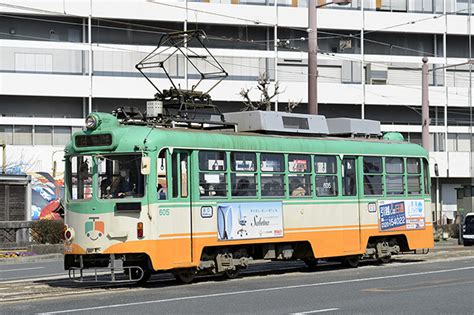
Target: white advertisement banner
249 220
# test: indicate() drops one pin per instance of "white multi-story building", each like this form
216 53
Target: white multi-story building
60 59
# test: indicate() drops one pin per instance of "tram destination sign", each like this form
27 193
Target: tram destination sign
249 220
397 215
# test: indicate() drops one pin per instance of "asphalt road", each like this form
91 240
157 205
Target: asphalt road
31 270
434 286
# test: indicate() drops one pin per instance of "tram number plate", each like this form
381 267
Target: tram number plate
164 212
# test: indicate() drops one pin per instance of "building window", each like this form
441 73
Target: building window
43 135
6 134
23 135
62 135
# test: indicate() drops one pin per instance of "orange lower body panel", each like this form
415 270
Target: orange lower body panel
180 251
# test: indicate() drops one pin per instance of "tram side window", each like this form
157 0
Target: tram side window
179 174
243 177
120 176
373 176
272 178
161 181
394 178
426 173
349 176
299 177
414 176
212 176
326 175
80 185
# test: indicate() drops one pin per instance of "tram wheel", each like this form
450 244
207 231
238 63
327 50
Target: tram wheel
185 276
311 263
385 259
232 274
351 261
146 276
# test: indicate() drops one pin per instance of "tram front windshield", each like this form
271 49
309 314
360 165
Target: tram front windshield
119 176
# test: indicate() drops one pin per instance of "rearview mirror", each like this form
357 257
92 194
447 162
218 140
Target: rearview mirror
145 167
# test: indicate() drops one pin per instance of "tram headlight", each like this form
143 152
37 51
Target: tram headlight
91 122
69 234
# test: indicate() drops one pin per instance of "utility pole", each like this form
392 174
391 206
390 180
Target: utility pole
312 59
425 113
313 53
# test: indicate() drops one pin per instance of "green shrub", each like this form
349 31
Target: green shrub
47 231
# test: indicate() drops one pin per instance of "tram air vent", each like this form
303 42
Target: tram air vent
353 127
278 122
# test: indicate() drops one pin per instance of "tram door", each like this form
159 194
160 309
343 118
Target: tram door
351 233
181 193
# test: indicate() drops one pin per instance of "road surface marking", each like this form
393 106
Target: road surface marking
421 285
317 311
309 285
21 269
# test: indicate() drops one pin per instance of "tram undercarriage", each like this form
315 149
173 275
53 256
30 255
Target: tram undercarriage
227 261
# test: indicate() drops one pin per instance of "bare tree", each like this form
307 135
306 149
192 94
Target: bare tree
265 102
292 105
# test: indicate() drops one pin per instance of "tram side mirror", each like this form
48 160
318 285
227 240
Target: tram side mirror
145 167
436 170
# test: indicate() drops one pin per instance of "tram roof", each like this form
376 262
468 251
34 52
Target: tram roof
128 138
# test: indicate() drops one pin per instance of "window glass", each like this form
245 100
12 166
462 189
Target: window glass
120 176
212 185
80 182
324 164
6 134
326 186
413 166
394 165
272 185
300 185
161 182
349 184
414 184
299 163
62 135
394 184
23 135
243 185
372 165
271 162
43 135
373 184
212 161
243 161
183 167
426 173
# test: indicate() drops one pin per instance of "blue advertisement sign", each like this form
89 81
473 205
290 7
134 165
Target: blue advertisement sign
401 215
392 215
249 220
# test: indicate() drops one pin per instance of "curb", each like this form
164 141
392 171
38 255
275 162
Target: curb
28 259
